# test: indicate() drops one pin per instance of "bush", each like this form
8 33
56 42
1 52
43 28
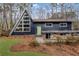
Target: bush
48 43
5 33
34 44
68 43
71 39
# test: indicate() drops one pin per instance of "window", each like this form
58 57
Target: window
25 14
26 22
26 29
48 25
63 24
48 35
26 25
18 29
25 18
21 22
19 25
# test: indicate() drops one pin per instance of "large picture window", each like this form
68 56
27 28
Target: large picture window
24 25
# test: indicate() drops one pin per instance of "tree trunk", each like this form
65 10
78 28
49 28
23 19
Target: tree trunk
5 24
10 14
62 11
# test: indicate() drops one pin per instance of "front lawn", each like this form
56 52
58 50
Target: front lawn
6 43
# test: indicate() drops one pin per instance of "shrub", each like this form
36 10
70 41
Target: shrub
48 43
34 44
5 33
60 38
71 39
68 43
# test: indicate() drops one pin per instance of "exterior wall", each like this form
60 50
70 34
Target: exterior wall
55 26
42 24
26 33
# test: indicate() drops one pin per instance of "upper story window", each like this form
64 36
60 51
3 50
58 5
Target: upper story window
63 24
48 25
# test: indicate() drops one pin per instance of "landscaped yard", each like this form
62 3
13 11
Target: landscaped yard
18 46
6 43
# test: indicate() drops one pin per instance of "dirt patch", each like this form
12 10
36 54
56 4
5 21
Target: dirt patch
55 49
23 47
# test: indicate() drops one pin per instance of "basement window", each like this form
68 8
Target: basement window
48 35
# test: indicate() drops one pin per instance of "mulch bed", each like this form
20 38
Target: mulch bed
60 50
24 47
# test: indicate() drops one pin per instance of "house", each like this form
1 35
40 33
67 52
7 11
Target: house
44 28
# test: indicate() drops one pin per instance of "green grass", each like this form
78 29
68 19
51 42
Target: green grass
5 45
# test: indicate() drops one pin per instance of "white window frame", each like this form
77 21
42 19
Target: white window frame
23 26
48 23
64 25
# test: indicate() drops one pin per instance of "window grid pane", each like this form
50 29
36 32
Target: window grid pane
24 25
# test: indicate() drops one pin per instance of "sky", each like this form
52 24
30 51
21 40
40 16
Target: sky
46 9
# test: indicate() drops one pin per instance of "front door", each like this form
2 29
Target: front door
38 30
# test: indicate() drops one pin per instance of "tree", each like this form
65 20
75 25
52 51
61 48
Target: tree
10 14
1 10
62 10
54 10
5 24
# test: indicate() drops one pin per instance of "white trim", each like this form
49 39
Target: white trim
65 24
18 31
48 23
29 28
17 23
22 25
21 17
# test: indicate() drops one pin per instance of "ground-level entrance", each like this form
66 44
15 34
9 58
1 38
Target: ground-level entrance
38 30
48 35
39 37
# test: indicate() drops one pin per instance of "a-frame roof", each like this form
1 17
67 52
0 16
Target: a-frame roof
19 21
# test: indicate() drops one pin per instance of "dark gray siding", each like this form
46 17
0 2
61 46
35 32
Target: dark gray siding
55 26
26 33
42 24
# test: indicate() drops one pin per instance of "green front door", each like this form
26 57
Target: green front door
38 30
